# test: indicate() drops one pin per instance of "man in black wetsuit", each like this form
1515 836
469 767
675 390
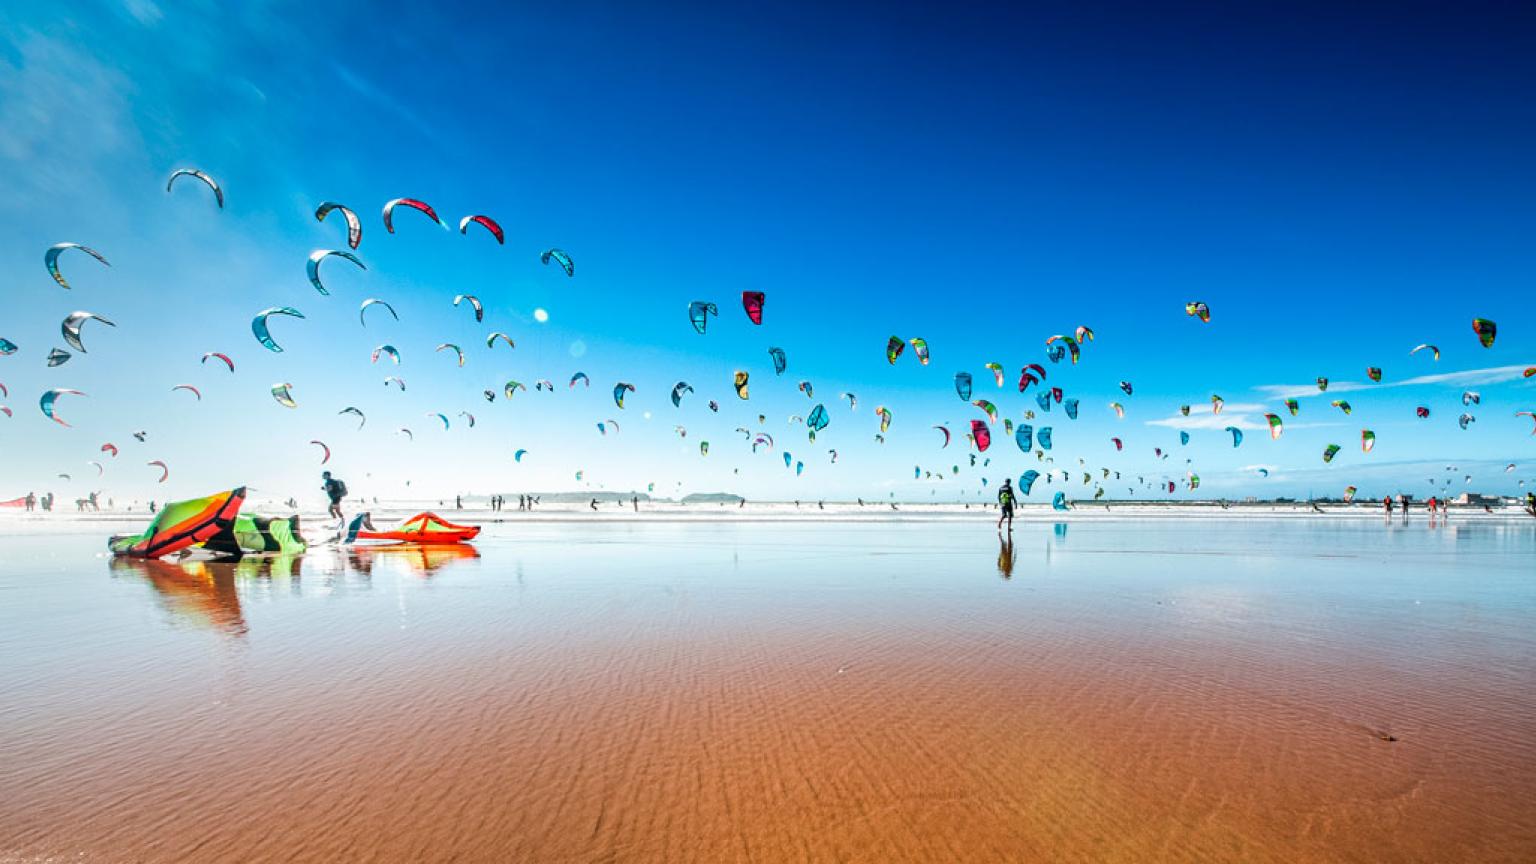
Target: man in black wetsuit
336 490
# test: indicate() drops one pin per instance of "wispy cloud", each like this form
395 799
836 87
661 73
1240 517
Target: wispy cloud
1464 378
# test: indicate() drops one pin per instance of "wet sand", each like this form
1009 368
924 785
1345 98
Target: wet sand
1115 690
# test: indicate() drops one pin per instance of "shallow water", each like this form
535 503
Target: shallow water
1183 689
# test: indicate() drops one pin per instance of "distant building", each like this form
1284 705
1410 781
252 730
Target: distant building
1476 500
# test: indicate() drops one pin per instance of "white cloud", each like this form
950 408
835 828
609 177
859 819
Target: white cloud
1466 377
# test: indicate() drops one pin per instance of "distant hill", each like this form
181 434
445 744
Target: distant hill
712 498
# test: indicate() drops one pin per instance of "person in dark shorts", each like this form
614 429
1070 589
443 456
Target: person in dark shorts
336 491
1005 505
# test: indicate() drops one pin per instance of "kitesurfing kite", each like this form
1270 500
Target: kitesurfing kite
51 258
218 194
559 257
313 267
412 203
486 222
354 225
259 324
71 327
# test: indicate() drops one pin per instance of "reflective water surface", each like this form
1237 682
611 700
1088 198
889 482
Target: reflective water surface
1121 690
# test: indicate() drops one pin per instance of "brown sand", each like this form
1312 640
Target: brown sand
702 736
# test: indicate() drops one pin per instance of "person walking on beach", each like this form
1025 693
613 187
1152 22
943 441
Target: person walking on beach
1005 505
336 490
31 502
634 501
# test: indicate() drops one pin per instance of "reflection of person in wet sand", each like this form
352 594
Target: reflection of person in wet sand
1005 555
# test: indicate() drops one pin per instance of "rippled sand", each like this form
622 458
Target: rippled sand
1186 690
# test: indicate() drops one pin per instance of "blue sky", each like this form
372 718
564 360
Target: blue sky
1338 187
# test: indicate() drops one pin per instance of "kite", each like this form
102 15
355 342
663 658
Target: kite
741 384
987 408
58 357
456 350
853 401
281 394
1237 435
354 225
1084 334
997 372
1422 411
165 470
1199 310
422 206
1349 494
399 382
752 303
1329 452
7 347
313 267
1118 409
46 403
490 341
225 357
699 312
619 390
1071 408
324 449
1465 420
582 377
442 417
1027 481
473 302
1126 387
218 194
51 258
1373 373
1043 437
920 348
71 327
1486 330
518 456
190 389
1183 439
1275 426
884 414
360 418
1217 403
893 348
806 388
1530 415
1059 502
1119 445
386 349
512 387
1367 440
981 434
560 257
1043 399
818 419
259 325
963 385
780 362
468 416
1471 397
370 302
1342 405
945 430
1069 342
703 448
406 432
1322 384
1432 349
488 223
100 469
1292 406
678 390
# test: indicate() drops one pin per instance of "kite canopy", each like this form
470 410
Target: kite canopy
259 535
354 225
181 524
423 528
218 194
752 303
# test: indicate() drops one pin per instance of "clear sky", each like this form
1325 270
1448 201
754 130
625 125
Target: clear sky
1338 186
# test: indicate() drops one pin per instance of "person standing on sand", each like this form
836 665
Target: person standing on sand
31 502
634 501
336 490
1005 505
1387 503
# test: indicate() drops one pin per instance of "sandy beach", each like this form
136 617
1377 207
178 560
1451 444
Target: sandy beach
1105 689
